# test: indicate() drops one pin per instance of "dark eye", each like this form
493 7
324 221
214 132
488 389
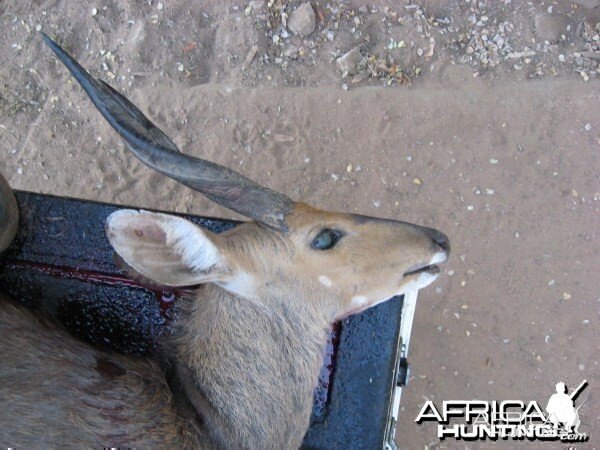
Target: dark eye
326 239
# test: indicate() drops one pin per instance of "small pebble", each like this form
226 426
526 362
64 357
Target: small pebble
376 203
587 127
586 322
94 12
349 168
302 20
470 207
417 181
566 296
493 161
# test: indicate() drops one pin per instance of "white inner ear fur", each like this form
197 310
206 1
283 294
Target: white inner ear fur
196 249
166 249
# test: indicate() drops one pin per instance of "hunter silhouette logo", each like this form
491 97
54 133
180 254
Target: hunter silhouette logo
561 408
508 419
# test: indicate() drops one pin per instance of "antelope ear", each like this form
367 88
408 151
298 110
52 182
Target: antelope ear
166 249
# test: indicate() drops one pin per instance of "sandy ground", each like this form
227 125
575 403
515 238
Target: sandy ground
499 152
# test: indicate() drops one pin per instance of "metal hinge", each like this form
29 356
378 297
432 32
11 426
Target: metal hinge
403 373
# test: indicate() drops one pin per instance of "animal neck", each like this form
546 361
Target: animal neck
250 371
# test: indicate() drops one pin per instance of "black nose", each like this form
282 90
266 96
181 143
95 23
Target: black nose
439 238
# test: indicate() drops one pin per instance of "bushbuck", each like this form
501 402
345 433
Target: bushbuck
240 368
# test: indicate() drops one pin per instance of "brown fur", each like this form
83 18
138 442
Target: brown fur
57 392
240 370
245 355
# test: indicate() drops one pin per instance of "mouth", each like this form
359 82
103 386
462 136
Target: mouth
430 268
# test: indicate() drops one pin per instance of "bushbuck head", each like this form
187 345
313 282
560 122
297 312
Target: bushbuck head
240 367
290 252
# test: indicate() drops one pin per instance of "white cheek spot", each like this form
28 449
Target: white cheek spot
325 281
359 300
